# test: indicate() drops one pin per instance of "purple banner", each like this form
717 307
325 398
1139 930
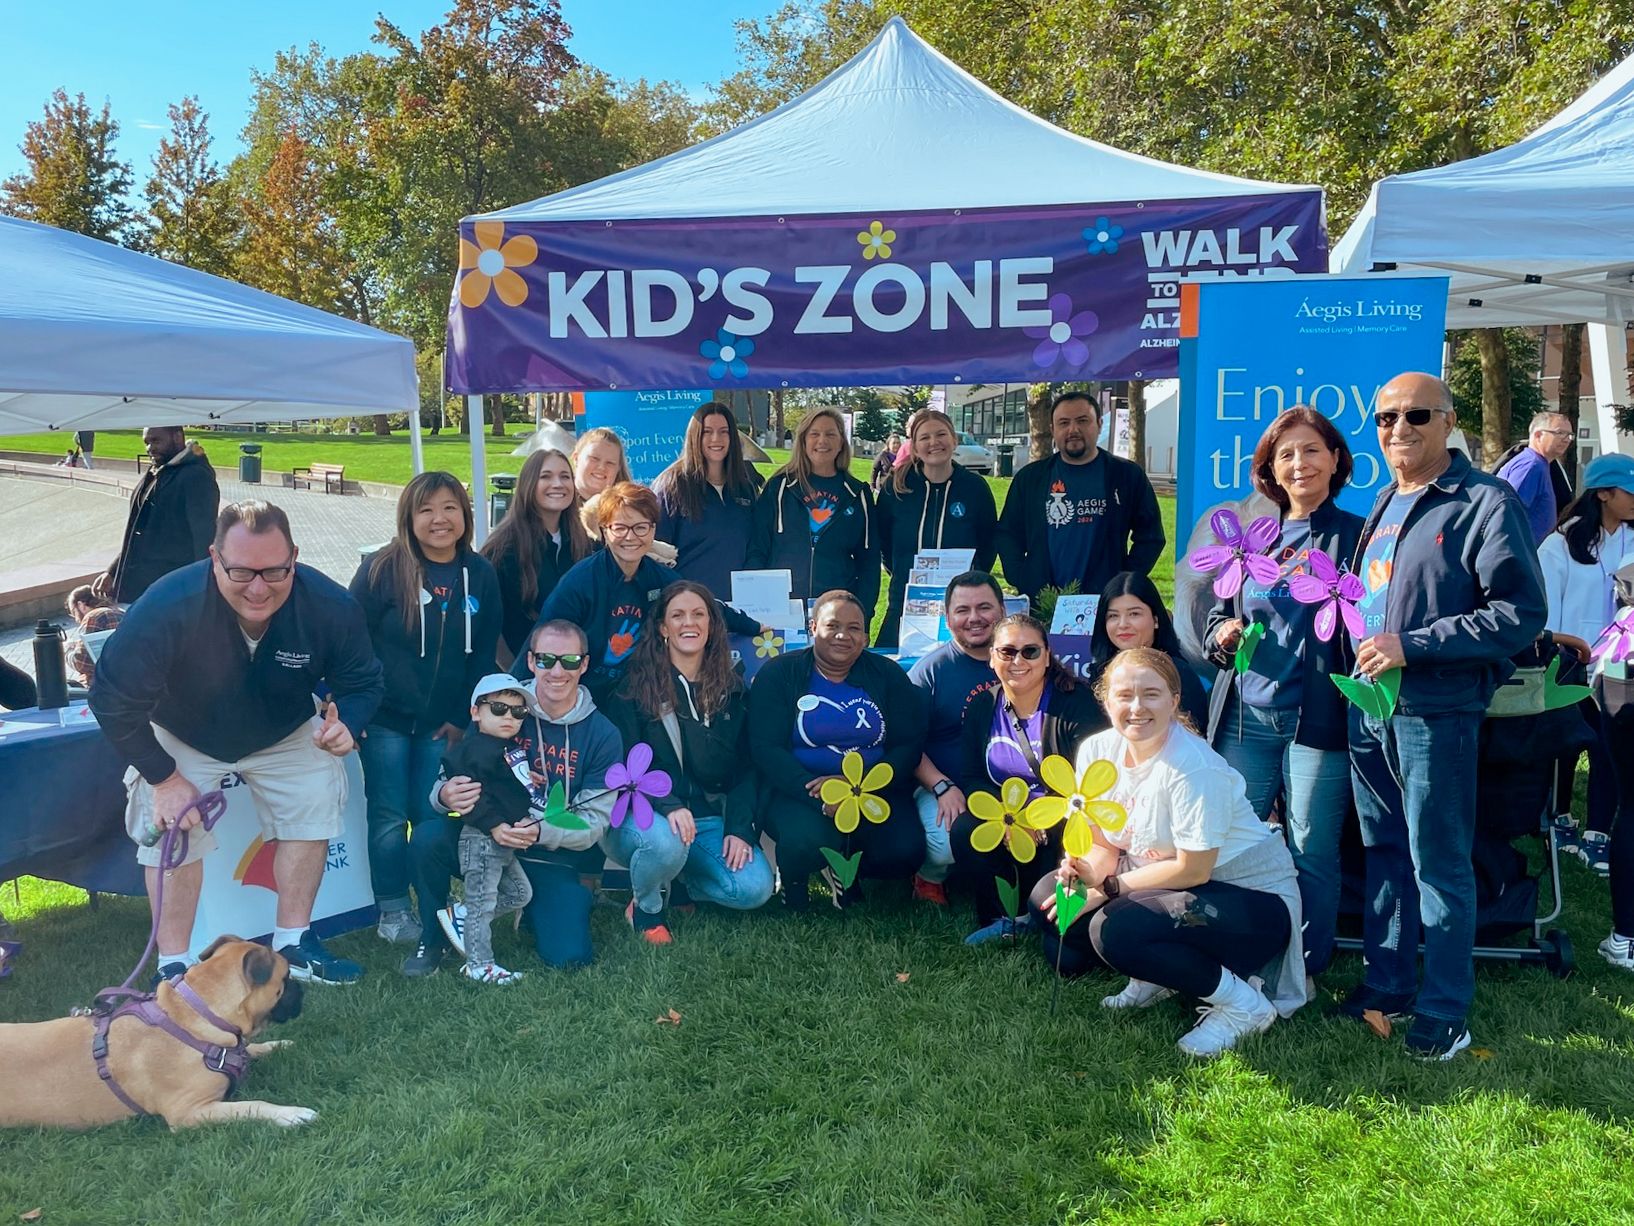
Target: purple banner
974 296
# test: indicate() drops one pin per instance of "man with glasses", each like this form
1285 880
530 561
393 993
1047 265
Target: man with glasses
1532 471
1453 591
215 671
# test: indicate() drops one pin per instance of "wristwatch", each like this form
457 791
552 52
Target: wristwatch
1110 887
941 787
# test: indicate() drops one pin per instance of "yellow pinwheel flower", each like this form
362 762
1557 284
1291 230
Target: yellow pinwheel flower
853 795
768 645
876 240
1004 820
1077 800
487 264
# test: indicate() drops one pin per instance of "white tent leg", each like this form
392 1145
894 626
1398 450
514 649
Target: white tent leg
1608 364
417 451
476 423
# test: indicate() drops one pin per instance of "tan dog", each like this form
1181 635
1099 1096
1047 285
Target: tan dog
50 1076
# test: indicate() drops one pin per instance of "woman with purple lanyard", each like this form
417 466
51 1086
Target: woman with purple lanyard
1038 710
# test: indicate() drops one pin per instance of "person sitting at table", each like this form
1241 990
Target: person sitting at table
1039 710
214 672
92 614
537 542
1131 613
1193 894
807 709
707 498
683 699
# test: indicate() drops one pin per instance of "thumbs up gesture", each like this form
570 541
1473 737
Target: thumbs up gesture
333 736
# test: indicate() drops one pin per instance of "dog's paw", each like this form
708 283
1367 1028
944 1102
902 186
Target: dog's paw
257 1050
292 1117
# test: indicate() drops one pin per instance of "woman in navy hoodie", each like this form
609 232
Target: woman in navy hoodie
931 503
815 520
707 499
433 609
536 543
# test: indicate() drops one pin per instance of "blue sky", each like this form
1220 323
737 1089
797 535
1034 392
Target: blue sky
143 55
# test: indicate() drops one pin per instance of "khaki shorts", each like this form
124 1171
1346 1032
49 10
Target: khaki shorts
298 789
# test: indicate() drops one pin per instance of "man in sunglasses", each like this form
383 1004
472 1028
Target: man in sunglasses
1453 591
215 671
1531 470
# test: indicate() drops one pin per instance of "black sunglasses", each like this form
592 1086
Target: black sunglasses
1030 652
1386 418
514 710
544 661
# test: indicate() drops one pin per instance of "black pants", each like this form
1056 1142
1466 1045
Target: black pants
1602 796
974 871
1179 939
895 848
1617 729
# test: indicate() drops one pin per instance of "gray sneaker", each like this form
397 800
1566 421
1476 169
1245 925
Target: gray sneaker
399 927
424 961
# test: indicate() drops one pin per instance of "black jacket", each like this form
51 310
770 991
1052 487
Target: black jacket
1130 537
716 780
963 516
1323 715
845 555
520 616
1071 716
504 798
432 664
172 521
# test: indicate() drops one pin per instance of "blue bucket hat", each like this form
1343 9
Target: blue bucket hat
1606 472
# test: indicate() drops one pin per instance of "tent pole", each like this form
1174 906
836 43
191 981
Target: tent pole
474 421
417 453
1608 365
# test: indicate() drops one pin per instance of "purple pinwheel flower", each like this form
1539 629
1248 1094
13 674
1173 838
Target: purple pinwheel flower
1062 339
637 787
1616 641
1336 593
1239 554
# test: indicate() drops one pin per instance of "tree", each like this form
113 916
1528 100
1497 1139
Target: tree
289 247
73 180
872 420
190 217
1569 391
1484 361
1137 421
908 402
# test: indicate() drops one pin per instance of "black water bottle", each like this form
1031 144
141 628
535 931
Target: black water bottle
50 673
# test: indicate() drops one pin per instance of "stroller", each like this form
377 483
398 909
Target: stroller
1529 724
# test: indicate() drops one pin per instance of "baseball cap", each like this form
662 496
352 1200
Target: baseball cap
1611 471
493 683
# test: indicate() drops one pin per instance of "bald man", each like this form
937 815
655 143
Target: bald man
1453 592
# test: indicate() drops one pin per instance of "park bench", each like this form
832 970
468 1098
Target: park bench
333 477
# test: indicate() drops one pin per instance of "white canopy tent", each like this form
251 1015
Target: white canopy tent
1539 232
94 336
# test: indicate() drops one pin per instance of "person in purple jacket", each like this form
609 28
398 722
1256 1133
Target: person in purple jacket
1529 471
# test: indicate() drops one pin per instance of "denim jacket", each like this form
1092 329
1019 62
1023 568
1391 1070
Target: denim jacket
1466 592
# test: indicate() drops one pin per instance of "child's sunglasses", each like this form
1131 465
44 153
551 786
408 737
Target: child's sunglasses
514 710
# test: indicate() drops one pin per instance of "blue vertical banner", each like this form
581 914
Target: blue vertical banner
652 424
1253 347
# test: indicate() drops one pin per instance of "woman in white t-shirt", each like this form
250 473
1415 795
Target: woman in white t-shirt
1194 894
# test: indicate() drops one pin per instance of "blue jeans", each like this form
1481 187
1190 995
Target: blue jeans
938 842
559 911
398 771
656 856
1314 785
1414 777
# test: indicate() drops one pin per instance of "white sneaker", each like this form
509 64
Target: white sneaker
399 927
1137 994
451 919
1619 951
490 972
1245 1011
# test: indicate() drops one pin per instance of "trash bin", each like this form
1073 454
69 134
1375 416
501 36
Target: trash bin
499 501
249 463
1006 460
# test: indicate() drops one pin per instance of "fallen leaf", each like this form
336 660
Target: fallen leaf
902 976
668 1018
33 1215
1482 1053
1377 1022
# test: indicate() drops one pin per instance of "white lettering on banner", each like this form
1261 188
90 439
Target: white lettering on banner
1270 399
1331 312
735 289
975 301
815 321
568 305
1013 292
617 314
642 282
904 316
1171 254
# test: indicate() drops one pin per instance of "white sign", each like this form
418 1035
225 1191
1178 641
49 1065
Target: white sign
1074 615
763 595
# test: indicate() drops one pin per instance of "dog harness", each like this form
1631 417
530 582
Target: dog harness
230 1062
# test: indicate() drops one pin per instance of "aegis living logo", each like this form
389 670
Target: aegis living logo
1265 251
1361 308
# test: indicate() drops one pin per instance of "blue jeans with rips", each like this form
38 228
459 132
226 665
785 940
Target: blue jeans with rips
398 771
656 856
1414 777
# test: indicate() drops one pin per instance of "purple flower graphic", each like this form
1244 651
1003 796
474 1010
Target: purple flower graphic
1336 593
1239 554
1616 641
726 352
1062 340
637 787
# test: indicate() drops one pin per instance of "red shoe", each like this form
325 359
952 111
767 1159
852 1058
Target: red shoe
929 891
657 934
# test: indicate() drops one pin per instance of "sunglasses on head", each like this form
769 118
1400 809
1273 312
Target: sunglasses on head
544 661
514 710
1386 419
1030 652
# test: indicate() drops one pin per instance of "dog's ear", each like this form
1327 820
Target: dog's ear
217 944
259 963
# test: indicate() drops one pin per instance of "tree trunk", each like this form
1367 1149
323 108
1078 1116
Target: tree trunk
777 417
382 427
1137 422
1041 442
497 408
1571 389
1495 399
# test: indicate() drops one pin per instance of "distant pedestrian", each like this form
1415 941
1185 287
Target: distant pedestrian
172 516
85 441
1531 471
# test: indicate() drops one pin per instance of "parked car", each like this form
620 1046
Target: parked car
977 457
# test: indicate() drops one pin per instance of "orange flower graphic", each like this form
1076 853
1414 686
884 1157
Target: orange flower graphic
488 263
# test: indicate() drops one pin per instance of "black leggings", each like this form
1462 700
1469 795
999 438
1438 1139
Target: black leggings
894 848
1179 939
1618 732
974 871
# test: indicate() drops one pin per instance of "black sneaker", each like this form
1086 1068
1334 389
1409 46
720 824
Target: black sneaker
1363 999
424 961
310 962
1431 1038
840 897
167 970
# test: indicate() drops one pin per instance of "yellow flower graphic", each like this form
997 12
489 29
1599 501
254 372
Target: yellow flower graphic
876 240
853 794
1004 819
1077 801
487 263
768 645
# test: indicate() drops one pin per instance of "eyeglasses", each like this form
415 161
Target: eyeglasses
544 661
267 574
1385 419
514 710
1557 433
621 531
1030 652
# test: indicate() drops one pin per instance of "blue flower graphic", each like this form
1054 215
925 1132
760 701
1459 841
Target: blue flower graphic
1103 236
726 353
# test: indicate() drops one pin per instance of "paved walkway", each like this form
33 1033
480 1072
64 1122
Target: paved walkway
46 520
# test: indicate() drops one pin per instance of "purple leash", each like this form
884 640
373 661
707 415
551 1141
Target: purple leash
172 852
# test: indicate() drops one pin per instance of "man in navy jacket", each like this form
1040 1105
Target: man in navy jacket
215 671
1453 592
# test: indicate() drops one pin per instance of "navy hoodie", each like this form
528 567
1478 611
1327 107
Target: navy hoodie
431 664
180 661
958 514
709 548
843 555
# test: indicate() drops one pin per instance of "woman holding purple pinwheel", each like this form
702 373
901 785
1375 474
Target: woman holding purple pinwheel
1277 633
686 707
